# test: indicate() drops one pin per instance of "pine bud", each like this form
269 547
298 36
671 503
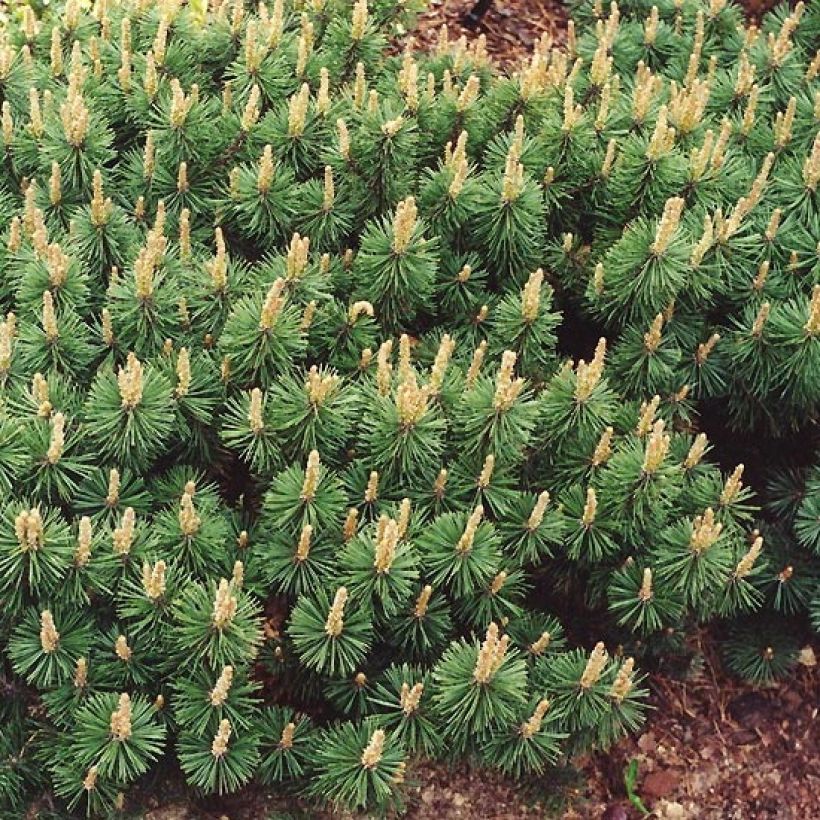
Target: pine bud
440 363
497 583
335 617
507 389
297 111
82 553
113 496
705 532
748 116
304 46
622 685
531 296
539 646
595 666
657 447
255 419
747 562
663 137
358 23
645 592
475 363
121 719
422 602
371 492
303 547
410 697
181 104
74 116
189 520
160 43
57 443
28 526
653 337
351 524
465 542
183 373
668 225
49 636
123 536
15 235
219 747
90 779
411 402
404 225
219 694
386 544
460 173
7 125
732 487
408 81
49 317
513 182
532 726
130 382
323 94
588 376
153 579
225 606
39 393
603 449
784 123
440 484
374 750
56 52
696 452
403 520
490 656
344 139
150 80
812 326
761 319
486 474
297 258
81 674
312 476
537 515
286 740
121 649
272 306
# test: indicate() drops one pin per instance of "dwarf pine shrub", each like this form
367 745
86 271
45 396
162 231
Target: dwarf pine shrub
337 383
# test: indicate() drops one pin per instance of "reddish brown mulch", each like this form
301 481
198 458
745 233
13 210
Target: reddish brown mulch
512 27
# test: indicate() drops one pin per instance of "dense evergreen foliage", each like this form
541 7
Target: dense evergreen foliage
354 403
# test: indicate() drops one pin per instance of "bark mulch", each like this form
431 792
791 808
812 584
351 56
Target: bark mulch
512 27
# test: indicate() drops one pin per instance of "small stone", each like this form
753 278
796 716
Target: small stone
669 810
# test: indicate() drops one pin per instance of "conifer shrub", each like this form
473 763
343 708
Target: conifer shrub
355 403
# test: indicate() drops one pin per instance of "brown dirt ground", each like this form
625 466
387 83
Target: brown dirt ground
512 27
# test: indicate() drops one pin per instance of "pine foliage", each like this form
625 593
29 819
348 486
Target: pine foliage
332 380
